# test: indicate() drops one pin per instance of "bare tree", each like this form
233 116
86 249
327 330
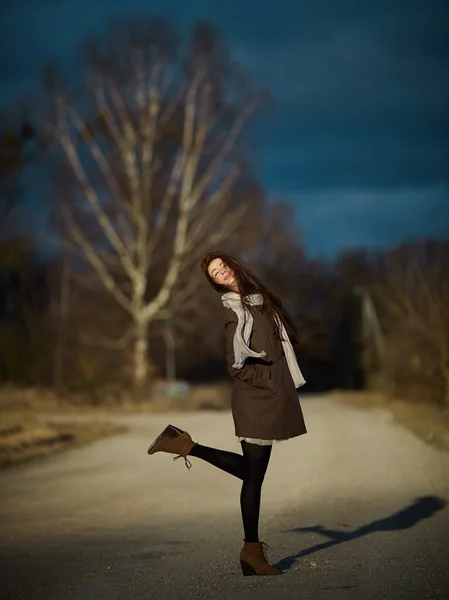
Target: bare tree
414 293
279 256
153 162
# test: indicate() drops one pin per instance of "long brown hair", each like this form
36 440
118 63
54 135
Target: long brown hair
247 284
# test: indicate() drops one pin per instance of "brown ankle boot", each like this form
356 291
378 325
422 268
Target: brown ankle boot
174 441
253 559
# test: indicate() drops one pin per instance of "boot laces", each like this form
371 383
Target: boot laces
264 547
186 460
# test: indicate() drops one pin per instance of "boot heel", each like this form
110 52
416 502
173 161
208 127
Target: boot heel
247 569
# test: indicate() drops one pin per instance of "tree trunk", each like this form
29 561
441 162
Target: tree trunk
170 357
62 317
446 381
140 362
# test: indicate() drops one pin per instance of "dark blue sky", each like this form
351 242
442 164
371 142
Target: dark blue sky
358 140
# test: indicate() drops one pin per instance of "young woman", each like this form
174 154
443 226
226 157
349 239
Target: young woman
264 402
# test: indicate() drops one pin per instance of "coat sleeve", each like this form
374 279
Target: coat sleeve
253 374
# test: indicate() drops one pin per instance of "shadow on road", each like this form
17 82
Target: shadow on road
422 508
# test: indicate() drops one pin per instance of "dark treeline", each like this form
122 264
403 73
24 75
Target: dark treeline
366 321
136 180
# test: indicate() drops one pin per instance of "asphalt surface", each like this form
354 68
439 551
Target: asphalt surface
355 509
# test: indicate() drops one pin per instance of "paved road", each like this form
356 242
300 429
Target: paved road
353 510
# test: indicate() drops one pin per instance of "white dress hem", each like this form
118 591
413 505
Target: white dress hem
259 442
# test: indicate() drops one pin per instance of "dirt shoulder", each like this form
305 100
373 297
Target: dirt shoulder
429 423
25 438
27 430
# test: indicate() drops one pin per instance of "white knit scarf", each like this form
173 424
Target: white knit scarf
243 332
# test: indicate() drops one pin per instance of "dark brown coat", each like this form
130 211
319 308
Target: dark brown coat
264 400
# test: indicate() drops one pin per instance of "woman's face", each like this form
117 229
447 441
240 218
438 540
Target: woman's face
222 274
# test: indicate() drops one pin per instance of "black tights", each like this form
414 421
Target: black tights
250 468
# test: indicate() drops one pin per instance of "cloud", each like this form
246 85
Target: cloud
360 91
361 99
349 218
365 160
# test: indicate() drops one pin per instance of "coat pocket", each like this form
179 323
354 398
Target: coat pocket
262 378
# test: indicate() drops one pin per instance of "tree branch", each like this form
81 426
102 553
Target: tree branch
97 264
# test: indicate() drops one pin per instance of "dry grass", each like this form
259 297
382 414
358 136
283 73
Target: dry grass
427 421
38 401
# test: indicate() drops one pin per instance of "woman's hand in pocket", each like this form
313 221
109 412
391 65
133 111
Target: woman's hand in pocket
262 376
